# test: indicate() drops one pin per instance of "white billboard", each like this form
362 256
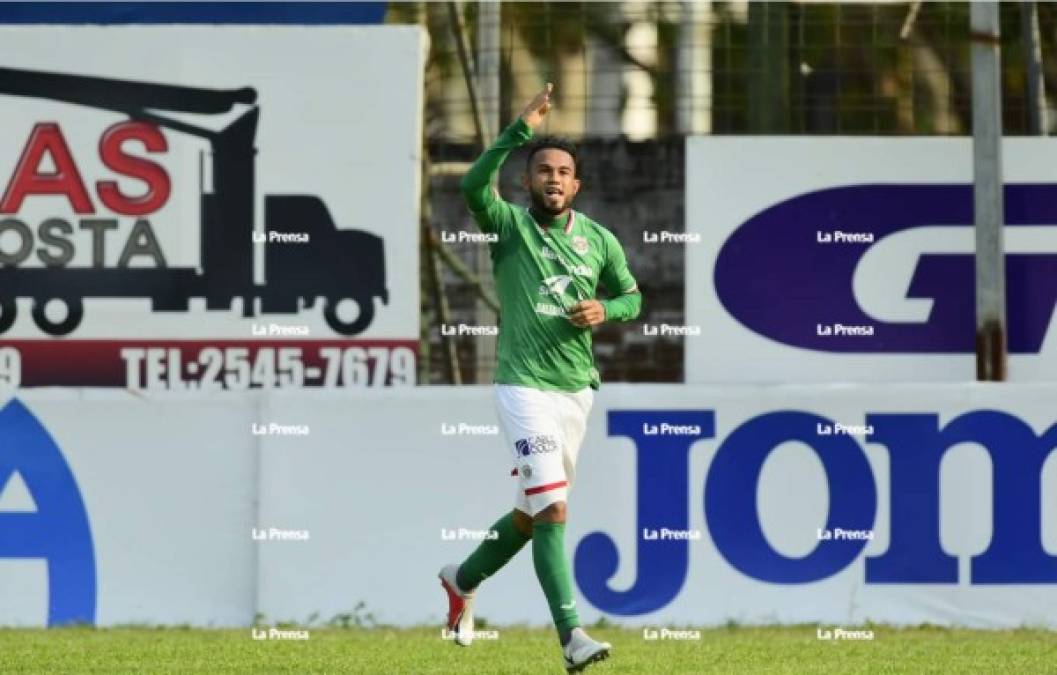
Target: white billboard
850 259
808 503
206 188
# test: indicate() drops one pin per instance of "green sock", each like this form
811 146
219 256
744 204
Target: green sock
552 570
491 554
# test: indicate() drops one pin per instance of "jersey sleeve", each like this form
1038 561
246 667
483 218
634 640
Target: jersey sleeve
626 301
490 211
494 215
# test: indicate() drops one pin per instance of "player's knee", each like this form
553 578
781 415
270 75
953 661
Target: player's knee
523 523
555 513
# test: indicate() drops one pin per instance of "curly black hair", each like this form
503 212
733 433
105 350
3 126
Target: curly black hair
558 142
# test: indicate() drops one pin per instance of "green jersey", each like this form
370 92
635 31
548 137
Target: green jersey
541 270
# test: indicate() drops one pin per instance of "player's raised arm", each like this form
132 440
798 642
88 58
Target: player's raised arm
538 108
491 212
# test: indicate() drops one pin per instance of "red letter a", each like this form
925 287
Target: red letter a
28 180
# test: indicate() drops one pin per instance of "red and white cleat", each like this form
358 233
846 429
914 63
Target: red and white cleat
460 607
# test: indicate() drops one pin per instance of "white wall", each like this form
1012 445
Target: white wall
173 484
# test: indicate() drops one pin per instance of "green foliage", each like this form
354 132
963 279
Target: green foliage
359 617
830 67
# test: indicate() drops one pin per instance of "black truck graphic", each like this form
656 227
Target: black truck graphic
334 266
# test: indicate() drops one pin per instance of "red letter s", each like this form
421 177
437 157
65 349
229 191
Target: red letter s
157 180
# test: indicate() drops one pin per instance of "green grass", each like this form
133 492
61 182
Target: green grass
787 649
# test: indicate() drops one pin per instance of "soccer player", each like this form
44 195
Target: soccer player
547 263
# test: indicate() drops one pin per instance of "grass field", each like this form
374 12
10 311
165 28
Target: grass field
788 649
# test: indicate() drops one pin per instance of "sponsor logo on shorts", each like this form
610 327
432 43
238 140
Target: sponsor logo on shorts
536 445
526 471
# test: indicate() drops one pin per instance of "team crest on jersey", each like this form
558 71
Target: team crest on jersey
579 244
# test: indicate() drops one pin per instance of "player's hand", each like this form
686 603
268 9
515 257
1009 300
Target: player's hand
587 313
538 107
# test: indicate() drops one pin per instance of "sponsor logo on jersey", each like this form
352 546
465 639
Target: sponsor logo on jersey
556 284
546 252
549 310
582 270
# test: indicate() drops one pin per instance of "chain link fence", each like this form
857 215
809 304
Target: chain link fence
633 79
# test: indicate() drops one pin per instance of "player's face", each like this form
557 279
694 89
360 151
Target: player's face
552 181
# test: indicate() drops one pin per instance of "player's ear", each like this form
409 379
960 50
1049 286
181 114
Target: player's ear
525 181
576 186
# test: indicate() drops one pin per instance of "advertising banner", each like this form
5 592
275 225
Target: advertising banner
692 505
210 207
851 259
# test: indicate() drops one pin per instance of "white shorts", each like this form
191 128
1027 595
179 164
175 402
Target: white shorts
544 430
